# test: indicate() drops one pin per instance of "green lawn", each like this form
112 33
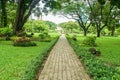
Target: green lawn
14 60
109 47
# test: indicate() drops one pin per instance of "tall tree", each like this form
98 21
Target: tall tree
3 12
113 22
24 9
11 11
100 13
51 25
115 2
78 11
69 26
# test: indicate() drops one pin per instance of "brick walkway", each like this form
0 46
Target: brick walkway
63 64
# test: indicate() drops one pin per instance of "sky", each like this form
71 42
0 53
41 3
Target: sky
55 18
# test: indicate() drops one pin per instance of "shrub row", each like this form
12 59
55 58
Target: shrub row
94 66
31 70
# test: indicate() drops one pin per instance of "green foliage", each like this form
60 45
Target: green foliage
115 2
89 41
74 37
118 31
24 42
6 32
45 37
7 38
51 25
102 2
69 27
109 47
40 26
11 11
29 26
21 34
95 67
29 35
94 51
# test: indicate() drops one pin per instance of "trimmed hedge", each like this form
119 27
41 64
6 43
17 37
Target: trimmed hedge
94 66
32 68
25 44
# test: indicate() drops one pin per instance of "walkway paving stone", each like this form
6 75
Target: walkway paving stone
63 64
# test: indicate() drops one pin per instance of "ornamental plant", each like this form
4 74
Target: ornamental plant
45 37
89 41
24 42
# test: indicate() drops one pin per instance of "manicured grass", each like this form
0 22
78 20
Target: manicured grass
109 47
15 60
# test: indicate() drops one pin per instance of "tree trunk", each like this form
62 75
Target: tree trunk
18 24
85 32
17 28
4 13
112 31
98 33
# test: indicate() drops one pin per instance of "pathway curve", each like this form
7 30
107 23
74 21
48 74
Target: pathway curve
63 64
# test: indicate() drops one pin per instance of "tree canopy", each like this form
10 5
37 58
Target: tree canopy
87 13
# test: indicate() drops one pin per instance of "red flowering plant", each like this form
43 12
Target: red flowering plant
23 39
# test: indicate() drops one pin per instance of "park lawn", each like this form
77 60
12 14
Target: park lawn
14 60
109 47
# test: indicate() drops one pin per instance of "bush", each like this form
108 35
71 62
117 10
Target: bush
7 38
24 44
89 41
42 36
2 39
74 38
32 33
23 41
13 38
29 35
6 32
45 37
94 51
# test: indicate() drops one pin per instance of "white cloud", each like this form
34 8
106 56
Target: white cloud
56 18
